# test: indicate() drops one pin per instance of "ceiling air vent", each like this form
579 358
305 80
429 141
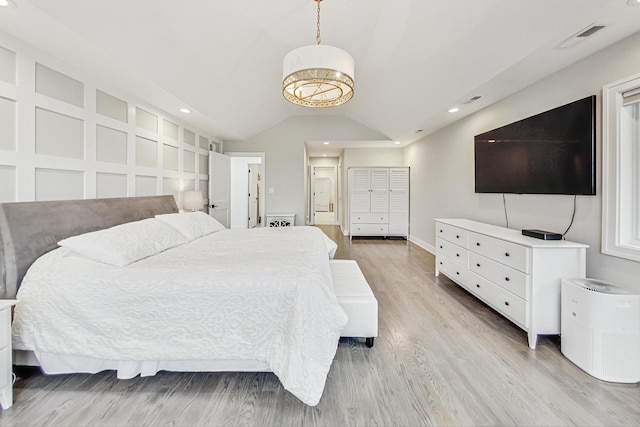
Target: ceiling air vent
580 36
472 99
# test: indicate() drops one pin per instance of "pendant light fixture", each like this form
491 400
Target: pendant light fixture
318 75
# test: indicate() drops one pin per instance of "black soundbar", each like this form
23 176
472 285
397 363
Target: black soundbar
541 234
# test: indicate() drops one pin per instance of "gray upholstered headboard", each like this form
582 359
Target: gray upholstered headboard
31 229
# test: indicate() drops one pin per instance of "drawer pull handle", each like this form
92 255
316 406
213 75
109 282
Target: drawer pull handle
457 273
477 286
506 278
477 265
457 255
440 246
506 254
477 243
506 303
440 262
441 231
457 237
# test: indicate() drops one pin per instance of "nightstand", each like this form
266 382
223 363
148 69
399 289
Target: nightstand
281 220
6 371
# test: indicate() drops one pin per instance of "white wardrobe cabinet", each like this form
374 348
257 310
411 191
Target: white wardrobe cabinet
379 201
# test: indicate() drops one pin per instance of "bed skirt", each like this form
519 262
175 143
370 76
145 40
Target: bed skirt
51 363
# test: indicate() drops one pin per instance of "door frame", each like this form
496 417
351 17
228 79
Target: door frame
312 195
262 195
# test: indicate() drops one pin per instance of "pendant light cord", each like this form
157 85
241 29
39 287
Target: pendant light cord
318 33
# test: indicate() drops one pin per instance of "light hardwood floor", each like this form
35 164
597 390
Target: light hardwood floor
441 358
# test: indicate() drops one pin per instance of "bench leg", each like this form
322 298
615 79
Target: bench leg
369 342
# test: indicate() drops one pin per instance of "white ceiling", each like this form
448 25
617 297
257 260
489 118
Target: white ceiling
414 59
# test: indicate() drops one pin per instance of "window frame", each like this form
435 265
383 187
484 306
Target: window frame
621 171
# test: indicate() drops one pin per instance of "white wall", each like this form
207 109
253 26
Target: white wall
442 166
285 158
67 135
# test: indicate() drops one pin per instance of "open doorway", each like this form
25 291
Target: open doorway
324 195
254 191
246 195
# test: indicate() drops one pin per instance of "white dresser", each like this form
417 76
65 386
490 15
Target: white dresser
518 276
6 370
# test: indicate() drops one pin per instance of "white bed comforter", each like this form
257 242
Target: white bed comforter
262 294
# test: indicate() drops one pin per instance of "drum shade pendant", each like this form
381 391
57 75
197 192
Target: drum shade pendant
318 76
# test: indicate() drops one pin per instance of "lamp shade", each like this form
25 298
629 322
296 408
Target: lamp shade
192 200
318 76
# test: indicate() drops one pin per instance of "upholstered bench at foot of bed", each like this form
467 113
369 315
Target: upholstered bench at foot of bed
357 299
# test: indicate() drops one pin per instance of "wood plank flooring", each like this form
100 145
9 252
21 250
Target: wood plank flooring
441 358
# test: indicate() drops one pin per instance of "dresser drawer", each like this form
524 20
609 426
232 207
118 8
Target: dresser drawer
369 229
453 252
504 276
504 252
482 288
511 306
369 218
454 271
503 301
453 234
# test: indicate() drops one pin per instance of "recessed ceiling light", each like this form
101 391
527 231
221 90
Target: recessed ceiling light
324 155
326 143
454 110
633 2
182 110
7 3
396 143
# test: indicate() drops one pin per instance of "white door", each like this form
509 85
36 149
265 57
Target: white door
322 192
399 201
360 190
254 170
379 186
219 174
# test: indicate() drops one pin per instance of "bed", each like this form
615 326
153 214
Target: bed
227 300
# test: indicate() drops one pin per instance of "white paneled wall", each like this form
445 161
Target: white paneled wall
64 135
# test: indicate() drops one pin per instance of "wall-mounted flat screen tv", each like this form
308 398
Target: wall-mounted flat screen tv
549 153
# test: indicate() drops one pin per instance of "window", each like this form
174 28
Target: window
621 169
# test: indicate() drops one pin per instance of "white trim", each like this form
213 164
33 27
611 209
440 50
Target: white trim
616 189
424 245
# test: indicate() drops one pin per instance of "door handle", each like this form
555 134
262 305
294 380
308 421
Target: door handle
213 206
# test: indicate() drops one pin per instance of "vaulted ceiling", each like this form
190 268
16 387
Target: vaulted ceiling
415 59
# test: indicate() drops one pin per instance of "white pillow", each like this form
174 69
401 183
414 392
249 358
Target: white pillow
192 224
126 243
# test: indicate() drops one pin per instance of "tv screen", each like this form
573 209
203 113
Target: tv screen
549 153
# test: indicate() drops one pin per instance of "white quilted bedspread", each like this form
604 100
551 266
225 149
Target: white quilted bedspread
262 294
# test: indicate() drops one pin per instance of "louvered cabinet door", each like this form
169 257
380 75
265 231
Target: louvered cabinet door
399 201
360 194
379 190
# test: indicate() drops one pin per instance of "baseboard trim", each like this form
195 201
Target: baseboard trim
424 245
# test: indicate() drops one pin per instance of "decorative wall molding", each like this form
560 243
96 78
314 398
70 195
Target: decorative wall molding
66 135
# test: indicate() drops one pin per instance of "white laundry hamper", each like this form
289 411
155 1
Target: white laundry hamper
600 327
